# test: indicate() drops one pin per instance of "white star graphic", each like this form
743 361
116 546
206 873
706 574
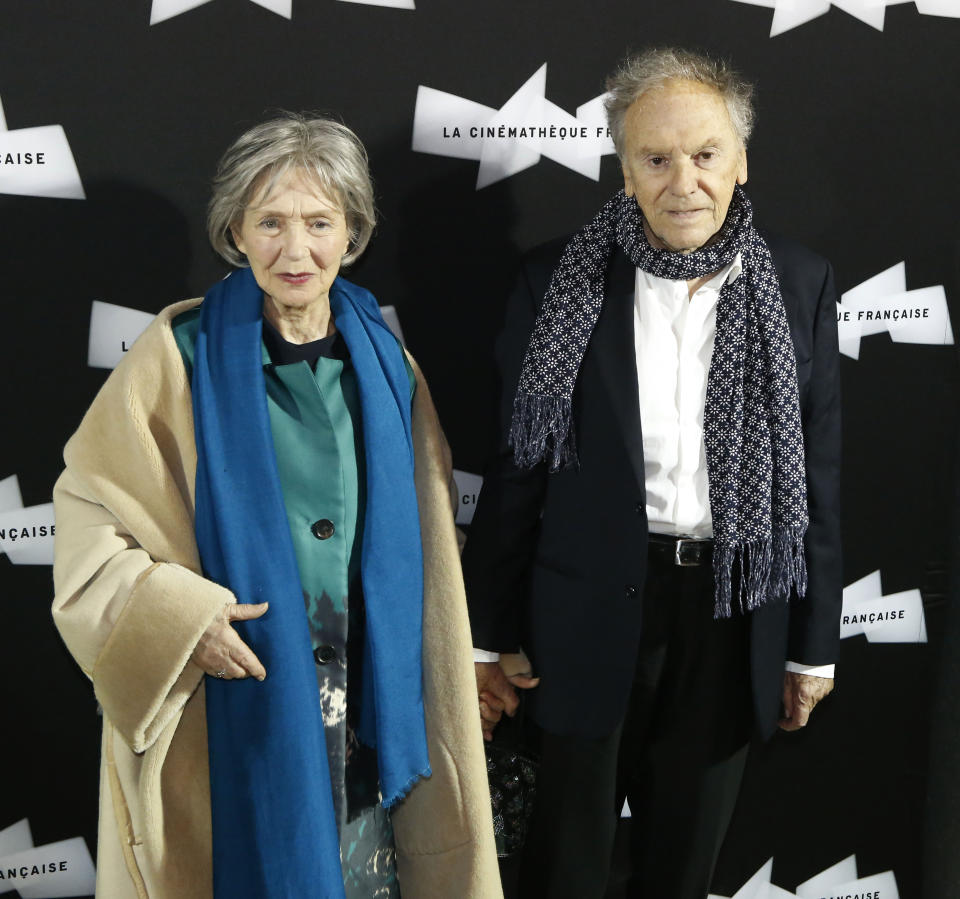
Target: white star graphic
396 4
837 880
513 138
26 533
789 14
883 303
882 618
38 162
167 9
75 874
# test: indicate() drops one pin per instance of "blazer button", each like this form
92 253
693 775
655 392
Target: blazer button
322 529
323 655
631 591
639 508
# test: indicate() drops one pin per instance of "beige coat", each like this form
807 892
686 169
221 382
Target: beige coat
131 605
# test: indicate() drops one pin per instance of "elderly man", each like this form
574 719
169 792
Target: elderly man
660 529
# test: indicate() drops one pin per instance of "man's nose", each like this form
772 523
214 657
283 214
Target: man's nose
683 178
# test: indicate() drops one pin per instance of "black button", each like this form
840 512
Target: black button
323 655
639 508
631 590
322 529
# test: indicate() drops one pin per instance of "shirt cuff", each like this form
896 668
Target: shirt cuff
482 655
812 670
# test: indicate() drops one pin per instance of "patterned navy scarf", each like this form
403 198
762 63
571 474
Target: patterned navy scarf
751 420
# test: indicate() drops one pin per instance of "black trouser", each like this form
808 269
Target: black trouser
678 757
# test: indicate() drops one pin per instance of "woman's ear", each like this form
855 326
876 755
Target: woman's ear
237 239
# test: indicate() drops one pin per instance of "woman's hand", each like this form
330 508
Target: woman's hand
220 651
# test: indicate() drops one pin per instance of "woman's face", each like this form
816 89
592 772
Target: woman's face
294 238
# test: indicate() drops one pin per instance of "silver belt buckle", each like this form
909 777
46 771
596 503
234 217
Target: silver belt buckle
677 555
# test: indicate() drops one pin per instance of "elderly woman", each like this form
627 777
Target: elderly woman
260 494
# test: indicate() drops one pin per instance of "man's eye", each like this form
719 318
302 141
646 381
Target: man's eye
658 161
320 225
707 155
268 223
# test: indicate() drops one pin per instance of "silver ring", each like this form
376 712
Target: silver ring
221 672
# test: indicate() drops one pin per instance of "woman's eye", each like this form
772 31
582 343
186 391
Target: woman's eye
268 223
707 155
320 225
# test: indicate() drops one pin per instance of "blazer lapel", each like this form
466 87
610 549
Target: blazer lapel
615 352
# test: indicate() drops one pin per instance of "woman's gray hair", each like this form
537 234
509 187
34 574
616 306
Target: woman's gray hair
654 67
327 150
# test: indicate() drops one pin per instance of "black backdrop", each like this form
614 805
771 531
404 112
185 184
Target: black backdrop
854 155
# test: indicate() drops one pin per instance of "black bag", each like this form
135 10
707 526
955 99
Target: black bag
512 772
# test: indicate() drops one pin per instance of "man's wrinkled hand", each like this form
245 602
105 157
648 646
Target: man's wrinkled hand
497 693
801 692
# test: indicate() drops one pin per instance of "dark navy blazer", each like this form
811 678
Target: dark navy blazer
557 562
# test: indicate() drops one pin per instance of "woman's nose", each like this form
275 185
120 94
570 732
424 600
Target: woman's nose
295 242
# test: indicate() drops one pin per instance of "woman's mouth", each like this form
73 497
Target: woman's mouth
295 277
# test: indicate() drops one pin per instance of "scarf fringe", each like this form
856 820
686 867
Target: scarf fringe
400 794
541 430
769 569
789 562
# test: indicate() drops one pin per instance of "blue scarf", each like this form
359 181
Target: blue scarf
274 830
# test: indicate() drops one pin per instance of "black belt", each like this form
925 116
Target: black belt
684 551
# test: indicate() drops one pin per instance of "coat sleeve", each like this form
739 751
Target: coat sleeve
815 621
130 602
502 540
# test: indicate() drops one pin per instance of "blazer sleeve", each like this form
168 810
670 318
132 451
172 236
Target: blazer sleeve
815 620
131 603
502 540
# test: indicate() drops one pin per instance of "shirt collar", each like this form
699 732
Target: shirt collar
729 274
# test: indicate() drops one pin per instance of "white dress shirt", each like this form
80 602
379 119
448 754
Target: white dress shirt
673 337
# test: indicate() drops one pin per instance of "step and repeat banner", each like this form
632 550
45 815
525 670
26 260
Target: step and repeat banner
486 134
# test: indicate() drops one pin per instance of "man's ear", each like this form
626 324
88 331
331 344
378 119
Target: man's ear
742 170
628 187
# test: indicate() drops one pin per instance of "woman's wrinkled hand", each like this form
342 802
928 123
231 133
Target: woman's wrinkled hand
221 653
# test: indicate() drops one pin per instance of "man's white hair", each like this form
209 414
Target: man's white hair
652 68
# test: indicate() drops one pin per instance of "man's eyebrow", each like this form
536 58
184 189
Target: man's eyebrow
654 151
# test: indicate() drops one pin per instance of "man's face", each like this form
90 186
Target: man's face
681 161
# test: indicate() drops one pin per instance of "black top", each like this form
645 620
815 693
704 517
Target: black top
283 352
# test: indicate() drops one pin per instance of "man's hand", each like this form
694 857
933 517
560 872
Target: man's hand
497 694
220 651
801 692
